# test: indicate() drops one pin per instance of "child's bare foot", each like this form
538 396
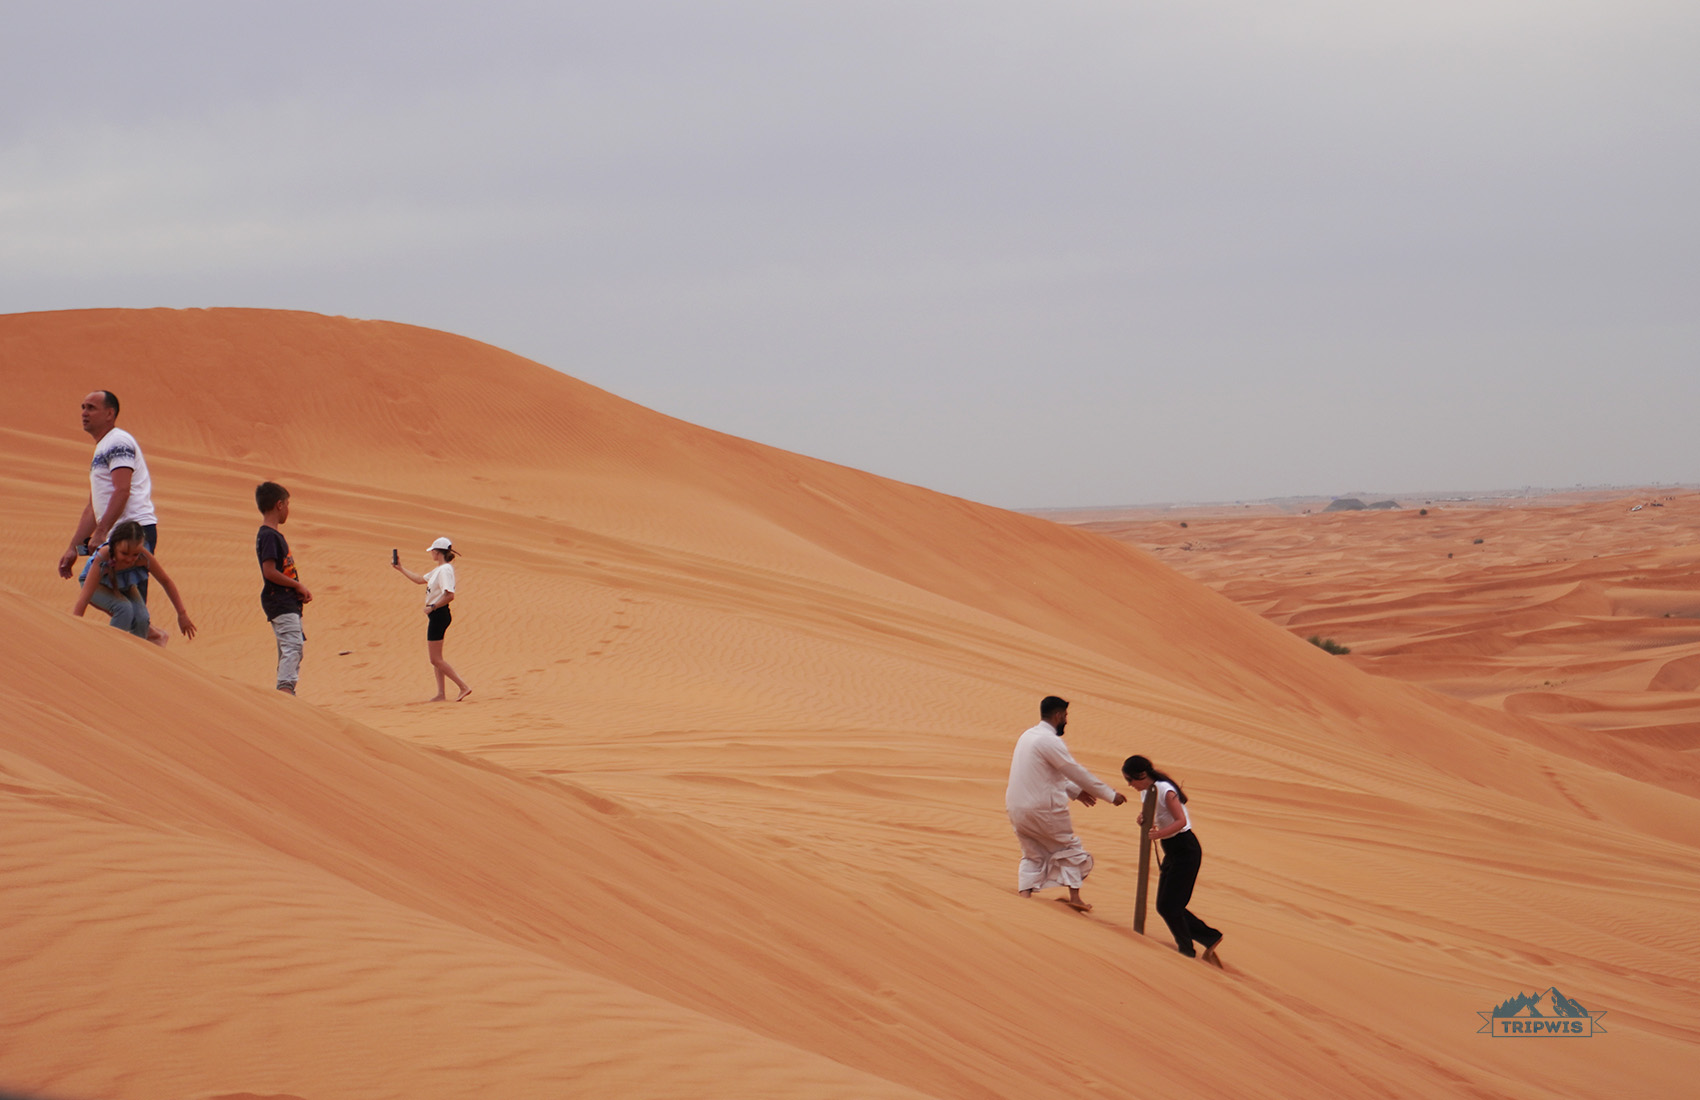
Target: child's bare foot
1077 905
438 699
463 695
1025 893
158 637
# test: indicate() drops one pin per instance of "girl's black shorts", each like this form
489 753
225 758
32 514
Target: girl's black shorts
438 624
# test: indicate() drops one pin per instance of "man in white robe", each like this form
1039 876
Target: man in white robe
1043 778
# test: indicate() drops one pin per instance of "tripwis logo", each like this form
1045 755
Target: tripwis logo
1549 1015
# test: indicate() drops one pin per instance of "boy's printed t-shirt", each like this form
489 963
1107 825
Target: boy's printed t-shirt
277 599
119 448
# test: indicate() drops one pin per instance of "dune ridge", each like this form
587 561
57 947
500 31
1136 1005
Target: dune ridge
724 815
1584 613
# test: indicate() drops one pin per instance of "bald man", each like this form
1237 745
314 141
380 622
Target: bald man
119 485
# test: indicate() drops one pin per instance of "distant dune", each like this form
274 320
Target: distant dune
1585 614
724 815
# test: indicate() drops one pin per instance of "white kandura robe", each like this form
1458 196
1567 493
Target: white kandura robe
1043 778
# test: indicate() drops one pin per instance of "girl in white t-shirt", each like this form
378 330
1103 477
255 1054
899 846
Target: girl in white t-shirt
1182 855
439 585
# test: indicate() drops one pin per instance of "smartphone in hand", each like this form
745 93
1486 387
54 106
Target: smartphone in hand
395 557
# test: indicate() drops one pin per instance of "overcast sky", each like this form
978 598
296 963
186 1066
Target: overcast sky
1036 254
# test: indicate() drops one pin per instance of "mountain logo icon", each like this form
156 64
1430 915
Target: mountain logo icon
1548 1015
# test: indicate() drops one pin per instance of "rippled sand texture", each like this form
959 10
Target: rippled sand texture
723 817
1580 613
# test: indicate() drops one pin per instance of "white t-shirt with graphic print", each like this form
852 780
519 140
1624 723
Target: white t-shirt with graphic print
119 448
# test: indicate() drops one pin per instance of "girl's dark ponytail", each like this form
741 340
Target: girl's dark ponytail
128 531
1141 765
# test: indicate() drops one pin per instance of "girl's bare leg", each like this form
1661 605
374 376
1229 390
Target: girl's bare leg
449 671
442 669
435 650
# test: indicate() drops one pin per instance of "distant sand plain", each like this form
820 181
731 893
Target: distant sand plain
724 816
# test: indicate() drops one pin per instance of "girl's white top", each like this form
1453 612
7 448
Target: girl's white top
438 581
1164 817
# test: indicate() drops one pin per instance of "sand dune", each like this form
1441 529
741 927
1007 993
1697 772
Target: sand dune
724 815
1574 611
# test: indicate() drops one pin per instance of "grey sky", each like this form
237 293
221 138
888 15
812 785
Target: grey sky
1034 254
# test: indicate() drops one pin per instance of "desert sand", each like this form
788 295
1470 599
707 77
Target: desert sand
724 815
1581 612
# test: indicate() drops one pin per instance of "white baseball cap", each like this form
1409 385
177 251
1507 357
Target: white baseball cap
441 544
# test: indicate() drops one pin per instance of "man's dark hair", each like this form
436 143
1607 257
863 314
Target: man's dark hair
111 401
268 493
1050 704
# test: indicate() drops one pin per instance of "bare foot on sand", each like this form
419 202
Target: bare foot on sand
1073 901
463 695
1025 893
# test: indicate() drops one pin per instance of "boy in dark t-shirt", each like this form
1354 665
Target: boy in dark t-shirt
283 594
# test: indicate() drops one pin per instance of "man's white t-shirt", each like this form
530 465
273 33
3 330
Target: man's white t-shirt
1164 817
438 581
119 448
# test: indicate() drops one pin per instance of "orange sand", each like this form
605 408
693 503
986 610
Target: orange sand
1585 614
724 816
